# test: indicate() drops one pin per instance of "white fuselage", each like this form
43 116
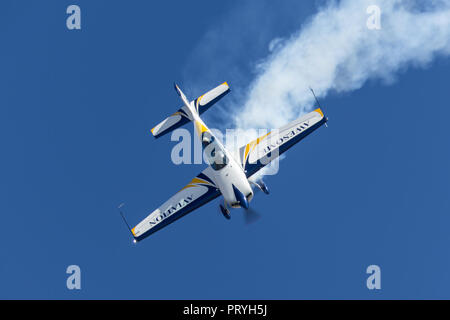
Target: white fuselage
227 172
232 174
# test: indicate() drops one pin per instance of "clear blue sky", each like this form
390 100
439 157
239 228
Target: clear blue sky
76 110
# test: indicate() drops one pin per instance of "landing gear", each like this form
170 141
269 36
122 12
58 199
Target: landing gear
225 212
264 187
261 186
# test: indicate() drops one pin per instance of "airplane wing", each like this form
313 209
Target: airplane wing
195 194
260 152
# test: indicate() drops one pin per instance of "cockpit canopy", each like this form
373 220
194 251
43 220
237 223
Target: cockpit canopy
213 151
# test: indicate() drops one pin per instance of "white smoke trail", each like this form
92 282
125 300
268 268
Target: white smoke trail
336 51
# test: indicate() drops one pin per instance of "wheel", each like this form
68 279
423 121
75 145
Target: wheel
225 212
265 189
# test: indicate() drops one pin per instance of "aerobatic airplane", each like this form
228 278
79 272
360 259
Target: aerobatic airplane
226 175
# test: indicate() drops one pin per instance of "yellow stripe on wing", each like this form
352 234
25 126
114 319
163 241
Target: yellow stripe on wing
252 145
188 186
198 180
319 111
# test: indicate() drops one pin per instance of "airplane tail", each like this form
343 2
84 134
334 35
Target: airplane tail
185 113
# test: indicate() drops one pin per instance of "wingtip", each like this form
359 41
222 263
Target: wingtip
318 110
177 89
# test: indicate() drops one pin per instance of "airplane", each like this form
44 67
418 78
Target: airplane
226 175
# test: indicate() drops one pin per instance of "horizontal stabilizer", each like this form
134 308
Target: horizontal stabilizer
183 115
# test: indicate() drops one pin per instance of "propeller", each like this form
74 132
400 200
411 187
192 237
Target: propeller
251 216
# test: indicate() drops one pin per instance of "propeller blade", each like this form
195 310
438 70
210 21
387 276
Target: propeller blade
251 216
